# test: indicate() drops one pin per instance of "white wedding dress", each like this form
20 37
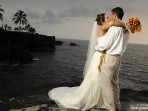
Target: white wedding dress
89 94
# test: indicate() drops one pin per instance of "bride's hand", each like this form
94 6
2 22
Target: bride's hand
127 27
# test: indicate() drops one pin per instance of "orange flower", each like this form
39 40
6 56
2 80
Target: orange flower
135 25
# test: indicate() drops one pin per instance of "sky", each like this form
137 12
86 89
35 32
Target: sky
73 19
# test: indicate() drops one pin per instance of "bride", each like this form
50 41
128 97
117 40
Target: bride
90 93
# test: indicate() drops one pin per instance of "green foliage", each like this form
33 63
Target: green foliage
1 15
6 27
20 18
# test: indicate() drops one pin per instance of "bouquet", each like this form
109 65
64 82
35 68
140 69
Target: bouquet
134 25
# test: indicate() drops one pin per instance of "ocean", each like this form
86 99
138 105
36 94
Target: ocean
20 84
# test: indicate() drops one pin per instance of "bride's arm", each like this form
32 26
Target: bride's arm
107 25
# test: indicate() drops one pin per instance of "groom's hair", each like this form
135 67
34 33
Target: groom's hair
119 12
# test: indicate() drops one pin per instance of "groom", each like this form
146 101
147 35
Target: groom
114 43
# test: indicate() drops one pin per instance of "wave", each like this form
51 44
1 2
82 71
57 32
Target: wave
133 95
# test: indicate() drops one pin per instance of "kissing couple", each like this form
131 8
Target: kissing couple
100 86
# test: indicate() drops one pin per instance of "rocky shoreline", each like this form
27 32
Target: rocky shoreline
16 47
41 102
46 107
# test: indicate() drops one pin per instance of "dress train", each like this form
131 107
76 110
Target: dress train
94 91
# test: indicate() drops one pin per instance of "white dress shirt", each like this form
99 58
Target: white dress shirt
114 41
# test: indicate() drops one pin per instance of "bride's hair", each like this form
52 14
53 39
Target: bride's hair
100 18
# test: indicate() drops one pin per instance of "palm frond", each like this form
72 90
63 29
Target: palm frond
16 21
1 10
1 17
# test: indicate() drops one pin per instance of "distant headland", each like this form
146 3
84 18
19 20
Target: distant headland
17 46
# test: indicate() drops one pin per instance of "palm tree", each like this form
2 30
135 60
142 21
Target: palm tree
16 29
27 27
32 30
9 28
20 18
6 27
1 15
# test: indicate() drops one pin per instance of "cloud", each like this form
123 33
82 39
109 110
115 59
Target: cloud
33 14
71 2
81 12
37 17
72 12
50 17
53 17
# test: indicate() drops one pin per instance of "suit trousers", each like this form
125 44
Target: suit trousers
110 73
